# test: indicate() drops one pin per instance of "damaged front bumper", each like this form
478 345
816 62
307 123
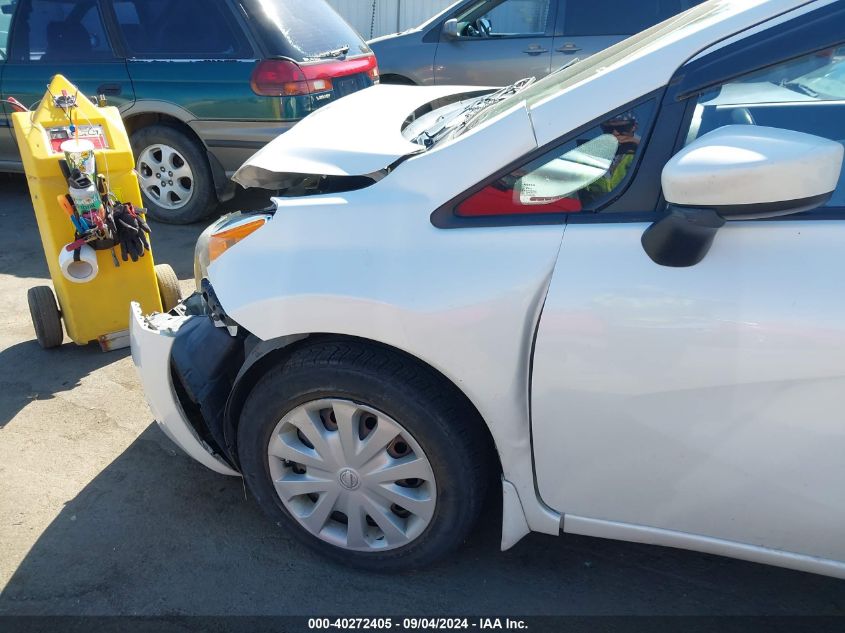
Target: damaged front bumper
154 341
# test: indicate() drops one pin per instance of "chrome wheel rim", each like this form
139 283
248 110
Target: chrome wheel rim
165 176
351 475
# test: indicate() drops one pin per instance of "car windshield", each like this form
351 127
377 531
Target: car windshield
557 82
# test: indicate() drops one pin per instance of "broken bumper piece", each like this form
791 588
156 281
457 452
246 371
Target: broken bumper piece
152 339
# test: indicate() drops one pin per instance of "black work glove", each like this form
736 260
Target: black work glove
131 232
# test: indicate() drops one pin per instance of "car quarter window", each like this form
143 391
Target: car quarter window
187 29
503 18
806 94
581 175
60 31
618 17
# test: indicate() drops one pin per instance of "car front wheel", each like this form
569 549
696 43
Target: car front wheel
365 455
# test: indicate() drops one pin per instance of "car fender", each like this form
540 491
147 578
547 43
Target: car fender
370 264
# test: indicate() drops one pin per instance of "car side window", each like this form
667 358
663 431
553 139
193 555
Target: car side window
188 29
60 31
806 94
618 17
7 8
580 175
505 18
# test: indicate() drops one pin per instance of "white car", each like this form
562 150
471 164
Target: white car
616 293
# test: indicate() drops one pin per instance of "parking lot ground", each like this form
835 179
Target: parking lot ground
100 514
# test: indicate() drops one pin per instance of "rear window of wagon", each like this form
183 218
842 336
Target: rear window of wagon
301 29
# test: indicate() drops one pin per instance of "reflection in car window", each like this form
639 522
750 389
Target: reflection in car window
581 175
505 18
188 29
806 94
60 31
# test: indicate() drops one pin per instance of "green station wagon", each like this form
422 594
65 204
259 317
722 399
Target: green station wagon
201 84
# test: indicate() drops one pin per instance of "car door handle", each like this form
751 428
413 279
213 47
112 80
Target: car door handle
535 50
568 48
110 89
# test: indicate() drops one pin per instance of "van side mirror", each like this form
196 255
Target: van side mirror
738 172
450 28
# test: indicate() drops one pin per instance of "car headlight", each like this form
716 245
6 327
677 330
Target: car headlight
223 235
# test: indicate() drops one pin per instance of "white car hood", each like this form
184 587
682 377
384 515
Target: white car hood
358 135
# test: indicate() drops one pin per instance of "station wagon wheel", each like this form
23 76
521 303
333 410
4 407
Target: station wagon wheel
165 176
365 455
173 174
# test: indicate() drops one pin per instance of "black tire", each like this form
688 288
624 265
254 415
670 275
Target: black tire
435 415
45 316
168 286
203 198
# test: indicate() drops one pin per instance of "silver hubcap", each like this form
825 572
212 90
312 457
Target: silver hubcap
165 176
351 475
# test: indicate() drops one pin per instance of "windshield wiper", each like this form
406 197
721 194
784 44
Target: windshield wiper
467 123
574 60
796 87
337 52
460 118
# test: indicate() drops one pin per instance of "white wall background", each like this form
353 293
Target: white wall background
390 15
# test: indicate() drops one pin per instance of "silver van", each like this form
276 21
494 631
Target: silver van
497 42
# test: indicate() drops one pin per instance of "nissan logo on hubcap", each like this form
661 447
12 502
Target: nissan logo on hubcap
349 479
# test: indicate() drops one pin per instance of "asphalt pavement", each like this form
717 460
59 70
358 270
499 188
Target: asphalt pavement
101 515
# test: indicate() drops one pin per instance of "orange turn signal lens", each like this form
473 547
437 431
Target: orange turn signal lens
221 242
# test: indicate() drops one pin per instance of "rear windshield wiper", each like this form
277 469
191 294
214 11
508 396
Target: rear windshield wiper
337 52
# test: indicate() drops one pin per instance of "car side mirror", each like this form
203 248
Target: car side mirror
738 172
450 28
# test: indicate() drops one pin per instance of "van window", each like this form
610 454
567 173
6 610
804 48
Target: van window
60 31
188 29
497 18
619 17
806 94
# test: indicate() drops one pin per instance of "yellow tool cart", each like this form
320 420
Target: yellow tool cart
80 171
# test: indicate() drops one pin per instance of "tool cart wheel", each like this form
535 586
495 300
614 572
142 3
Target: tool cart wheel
168 286
45 316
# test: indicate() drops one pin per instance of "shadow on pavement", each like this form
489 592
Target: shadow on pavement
29 373
155 533
21 253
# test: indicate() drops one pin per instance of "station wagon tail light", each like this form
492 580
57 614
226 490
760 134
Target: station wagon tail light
223 240
284 78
